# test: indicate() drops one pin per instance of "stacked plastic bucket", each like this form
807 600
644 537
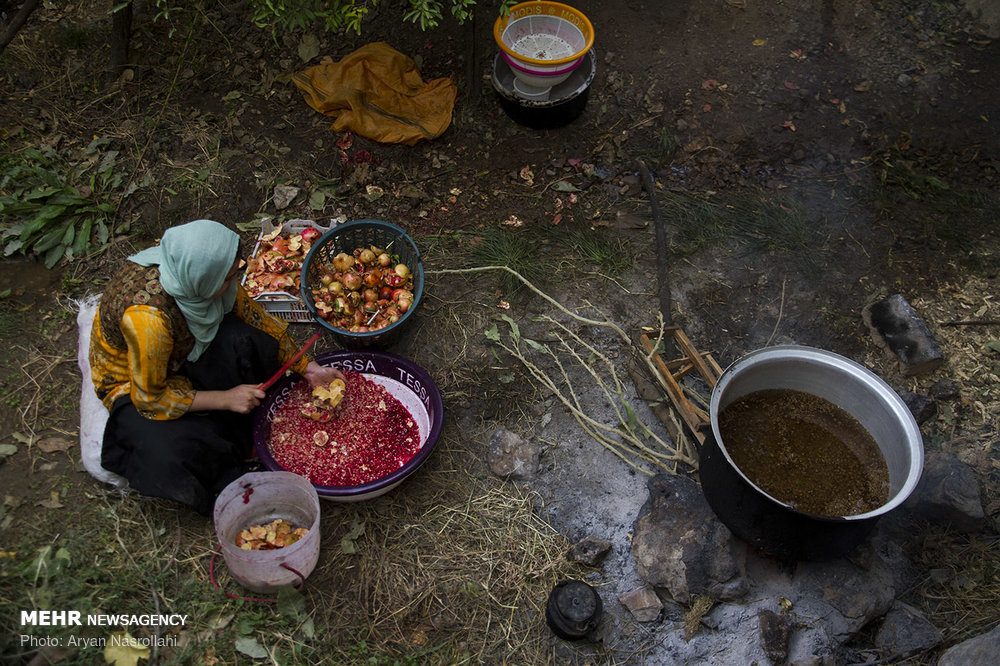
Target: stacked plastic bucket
546 63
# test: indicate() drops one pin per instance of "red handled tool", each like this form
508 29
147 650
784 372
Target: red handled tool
309 343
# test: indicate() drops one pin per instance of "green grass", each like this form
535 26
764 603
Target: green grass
753 222
518 250
610 254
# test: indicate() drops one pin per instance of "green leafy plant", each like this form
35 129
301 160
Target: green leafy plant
348 15
59 207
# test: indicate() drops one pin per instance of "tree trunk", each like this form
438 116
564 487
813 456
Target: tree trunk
121 35
20 18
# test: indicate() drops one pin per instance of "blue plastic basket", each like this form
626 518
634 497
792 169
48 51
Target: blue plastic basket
346 238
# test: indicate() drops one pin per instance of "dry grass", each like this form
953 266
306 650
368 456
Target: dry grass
959 584
453 566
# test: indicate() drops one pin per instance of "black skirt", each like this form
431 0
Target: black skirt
192 458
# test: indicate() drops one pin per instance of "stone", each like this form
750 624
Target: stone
825 660
905 632
590 551
680 545
982 649
284 195
897 327
922 407
846 596
774 633
643 603
944 389
510 456
948 494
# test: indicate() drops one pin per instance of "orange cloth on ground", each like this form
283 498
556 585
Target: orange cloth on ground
377 92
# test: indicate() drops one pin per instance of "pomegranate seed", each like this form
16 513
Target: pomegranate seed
370 434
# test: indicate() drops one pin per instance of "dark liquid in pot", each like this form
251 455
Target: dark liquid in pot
806 452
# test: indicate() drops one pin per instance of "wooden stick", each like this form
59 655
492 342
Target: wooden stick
309 343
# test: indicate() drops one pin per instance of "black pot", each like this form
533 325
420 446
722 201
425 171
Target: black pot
771 525
566 101
573 610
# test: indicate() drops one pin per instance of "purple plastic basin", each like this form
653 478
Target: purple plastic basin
403 378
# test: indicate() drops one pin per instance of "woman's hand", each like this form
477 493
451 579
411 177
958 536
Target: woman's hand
244 397
320 375
240 399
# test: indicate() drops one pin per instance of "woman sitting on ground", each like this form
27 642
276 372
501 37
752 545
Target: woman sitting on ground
178 351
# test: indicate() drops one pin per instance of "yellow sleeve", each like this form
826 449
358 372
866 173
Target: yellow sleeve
155 393
254 314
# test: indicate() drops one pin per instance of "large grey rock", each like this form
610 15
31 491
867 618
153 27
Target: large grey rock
948 494
842 596
897 327
679 545
982 649
905 632
510 456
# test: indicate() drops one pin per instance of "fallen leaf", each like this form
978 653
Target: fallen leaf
7 450
759 42
348 544
864 86
308 47
123 650
250 647
527 175
706 109
52 502
788 124
557 218
563 186
52 444
709 84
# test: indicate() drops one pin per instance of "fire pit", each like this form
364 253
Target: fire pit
401 378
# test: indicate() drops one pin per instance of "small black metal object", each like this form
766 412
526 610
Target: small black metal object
574 609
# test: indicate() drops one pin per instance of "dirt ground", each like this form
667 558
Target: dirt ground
872 124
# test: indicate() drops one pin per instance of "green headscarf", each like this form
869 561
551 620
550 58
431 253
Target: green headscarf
194 259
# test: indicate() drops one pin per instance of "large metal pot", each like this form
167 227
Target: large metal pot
771 525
